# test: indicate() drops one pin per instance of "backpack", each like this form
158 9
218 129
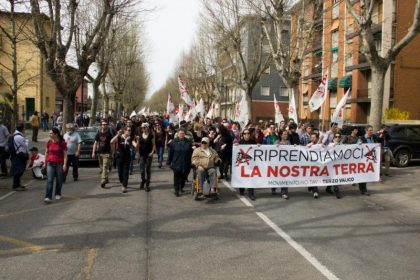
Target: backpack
11 147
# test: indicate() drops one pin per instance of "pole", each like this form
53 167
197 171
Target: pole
81 110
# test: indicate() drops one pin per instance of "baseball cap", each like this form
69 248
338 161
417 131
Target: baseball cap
205 139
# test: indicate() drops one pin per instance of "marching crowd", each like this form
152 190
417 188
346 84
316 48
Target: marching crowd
202 147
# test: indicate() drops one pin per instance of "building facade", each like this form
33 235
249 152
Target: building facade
36 91
336 49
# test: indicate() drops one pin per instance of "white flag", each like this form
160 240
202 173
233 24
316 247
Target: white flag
292 108
133 114
180 112
278 114
170 107
241 112
210 113
200 108
338 114
319 96
183 91
141 112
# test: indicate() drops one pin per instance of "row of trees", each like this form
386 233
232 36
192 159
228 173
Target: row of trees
98 39
223 54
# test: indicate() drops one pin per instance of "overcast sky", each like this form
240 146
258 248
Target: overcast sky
169 30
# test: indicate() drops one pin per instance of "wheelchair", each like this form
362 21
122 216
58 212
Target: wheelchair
197 193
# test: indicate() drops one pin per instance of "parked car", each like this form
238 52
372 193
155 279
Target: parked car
404 143
88 139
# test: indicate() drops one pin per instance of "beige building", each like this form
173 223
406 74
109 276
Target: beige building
36 90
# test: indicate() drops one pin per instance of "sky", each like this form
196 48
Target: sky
170 30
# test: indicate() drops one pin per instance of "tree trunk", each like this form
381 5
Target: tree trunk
68 108
94 104
249 103
377 97
106 106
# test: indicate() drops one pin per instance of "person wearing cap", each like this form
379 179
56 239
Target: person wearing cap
205 160
146 148
179 159
37 163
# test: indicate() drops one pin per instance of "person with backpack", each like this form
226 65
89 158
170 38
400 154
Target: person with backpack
18 150
4 135
55 162
35 122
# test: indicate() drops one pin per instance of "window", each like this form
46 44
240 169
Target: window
334 64
378 45
266 48
265 91
267 71
334 39
47 102
284 91
333 99
336 9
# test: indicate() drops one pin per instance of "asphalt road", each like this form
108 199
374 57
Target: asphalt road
95 233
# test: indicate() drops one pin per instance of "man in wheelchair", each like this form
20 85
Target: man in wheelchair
205 159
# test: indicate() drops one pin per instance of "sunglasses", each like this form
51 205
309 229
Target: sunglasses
246 133
104 124
337 136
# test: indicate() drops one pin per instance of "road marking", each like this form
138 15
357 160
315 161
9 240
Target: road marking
26 247
86 272
7 195
243 199
299 248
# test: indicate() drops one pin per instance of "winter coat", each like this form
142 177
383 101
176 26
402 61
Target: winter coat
180 155
200 158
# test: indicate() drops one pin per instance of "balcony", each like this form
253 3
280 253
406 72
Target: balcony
363 96
362 65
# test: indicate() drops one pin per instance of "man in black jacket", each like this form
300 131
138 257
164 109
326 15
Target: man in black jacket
179 160
247 140
293 136
369 138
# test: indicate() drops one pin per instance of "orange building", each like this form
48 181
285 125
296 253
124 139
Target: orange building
336 49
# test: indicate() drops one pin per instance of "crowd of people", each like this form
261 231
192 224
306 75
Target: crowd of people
202 147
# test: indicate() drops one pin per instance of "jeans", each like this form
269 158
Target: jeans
3 160
73 161
145 169
35 133
160 150
202 175
123 170
44 125
54 170
179 180
133 156
104 166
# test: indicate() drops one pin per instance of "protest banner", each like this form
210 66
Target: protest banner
275 166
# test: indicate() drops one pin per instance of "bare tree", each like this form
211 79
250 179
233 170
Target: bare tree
379 63
16 33
244 60
288 51
55 39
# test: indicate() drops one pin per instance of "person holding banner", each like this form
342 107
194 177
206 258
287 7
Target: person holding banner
247 140
336 190
271 139
284 140
314 143
368 138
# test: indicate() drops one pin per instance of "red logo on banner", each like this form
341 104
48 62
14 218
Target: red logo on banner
243 157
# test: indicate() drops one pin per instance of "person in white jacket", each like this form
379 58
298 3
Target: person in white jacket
37 163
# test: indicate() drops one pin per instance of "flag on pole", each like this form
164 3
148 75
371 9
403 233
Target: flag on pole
278 114
170 107
200 108
180 112
338 114
141 112
210 113
241 112
292 108
133 114
319 96
183 91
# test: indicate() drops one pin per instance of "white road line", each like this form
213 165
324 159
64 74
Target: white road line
299 248
7 195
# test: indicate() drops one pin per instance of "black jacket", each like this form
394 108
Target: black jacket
180 155
374 136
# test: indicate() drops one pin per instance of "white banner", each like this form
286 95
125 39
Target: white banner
275 166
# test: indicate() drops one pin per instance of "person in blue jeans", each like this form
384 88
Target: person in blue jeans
56 162
160 137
